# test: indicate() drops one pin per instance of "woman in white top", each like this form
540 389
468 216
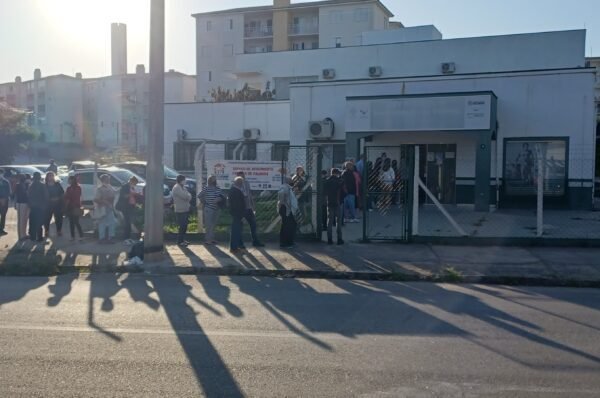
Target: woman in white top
388 177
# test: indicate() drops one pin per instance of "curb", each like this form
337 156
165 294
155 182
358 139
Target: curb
347 275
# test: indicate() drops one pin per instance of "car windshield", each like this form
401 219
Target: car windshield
29 170
124 175
170 173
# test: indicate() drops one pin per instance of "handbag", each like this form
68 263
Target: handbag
98 212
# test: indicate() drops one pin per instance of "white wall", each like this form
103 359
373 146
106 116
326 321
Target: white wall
226 121
534 51
341 21
530 104
109 103
402 35
64 109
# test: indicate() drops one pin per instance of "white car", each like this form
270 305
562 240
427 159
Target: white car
118 177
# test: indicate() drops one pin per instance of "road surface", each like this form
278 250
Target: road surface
187 336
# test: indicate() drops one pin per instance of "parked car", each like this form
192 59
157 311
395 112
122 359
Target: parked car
170 176
82 164
11 172
118 177
42 168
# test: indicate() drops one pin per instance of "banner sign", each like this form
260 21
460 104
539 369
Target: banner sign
262 176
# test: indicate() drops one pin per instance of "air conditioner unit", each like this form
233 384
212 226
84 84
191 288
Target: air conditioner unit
251 134
328 73
448 67
374 71
181 135
320 130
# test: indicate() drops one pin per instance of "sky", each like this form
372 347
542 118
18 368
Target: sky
69 36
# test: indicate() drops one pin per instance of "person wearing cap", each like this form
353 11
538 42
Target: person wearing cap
38 203
126 205
104 202
181 204
5 194
333 194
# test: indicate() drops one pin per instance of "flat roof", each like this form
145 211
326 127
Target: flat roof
292 6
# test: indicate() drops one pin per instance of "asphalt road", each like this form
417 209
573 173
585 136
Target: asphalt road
132 335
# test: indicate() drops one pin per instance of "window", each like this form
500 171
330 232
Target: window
228 50
209 76
208 26
230 24
338 42
183 154
361 15
279 152
41 110
336 17
206 51
247 151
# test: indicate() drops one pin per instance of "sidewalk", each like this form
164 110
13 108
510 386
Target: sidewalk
538 265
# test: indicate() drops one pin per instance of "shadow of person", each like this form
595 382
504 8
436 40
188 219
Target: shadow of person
61 287
139 289
220 294
212 374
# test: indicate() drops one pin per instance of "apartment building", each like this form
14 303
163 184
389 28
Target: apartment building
223 36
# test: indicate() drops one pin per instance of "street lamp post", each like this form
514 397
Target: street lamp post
154 202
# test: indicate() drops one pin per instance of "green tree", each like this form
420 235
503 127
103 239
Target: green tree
15 135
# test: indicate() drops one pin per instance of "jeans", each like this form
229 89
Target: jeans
56 211
251 219
127 215
74 223
235 241
287 232
182 221
36 221
22 216
333 213
107 222
350 206
210 221
3 210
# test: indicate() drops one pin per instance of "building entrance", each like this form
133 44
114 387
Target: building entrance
438 170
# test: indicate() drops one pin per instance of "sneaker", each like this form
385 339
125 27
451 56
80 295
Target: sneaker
355 220
182 244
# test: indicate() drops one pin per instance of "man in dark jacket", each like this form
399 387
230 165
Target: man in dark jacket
333 194
5 194
237 208
38 202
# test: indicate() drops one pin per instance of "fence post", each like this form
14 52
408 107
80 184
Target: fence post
199 171
415 193
540 193
366 193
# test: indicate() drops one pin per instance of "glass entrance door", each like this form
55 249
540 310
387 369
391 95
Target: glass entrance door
441 172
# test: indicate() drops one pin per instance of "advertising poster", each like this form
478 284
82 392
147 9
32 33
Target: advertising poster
521 167
262 176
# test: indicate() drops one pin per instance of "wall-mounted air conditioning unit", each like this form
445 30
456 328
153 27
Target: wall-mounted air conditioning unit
251 134
374 71
181 135
329 73
320 130
448 68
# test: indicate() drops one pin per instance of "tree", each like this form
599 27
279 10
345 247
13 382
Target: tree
15 135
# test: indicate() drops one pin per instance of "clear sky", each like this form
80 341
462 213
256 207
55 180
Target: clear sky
69 36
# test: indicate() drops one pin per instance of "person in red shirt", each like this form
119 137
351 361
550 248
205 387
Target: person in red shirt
73 207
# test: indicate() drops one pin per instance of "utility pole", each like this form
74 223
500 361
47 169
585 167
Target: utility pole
154 201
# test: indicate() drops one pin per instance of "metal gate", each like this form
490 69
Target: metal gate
387 183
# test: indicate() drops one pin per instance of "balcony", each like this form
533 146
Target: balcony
303 29
261 31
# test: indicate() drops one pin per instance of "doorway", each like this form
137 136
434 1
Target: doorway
438 170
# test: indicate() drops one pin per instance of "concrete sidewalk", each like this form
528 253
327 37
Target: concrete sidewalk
538 265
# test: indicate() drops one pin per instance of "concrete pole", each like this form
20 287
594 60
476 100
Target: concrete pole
154 202
415 194
540 192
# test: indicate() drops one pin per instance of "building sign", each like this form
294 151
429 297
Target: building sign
420 113
262 176
521 167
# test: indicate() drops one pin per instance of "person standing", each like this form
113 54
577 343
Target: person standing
250 213
22 207
212 199
38 203
360 165
126 205
5 194
388 177
287 207
52 167
237 208
181 203
104 202
323 202
350 190
73 207
56 195
333 192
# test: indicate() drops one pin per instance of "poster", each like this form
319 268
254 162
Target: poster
262 176
521 167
